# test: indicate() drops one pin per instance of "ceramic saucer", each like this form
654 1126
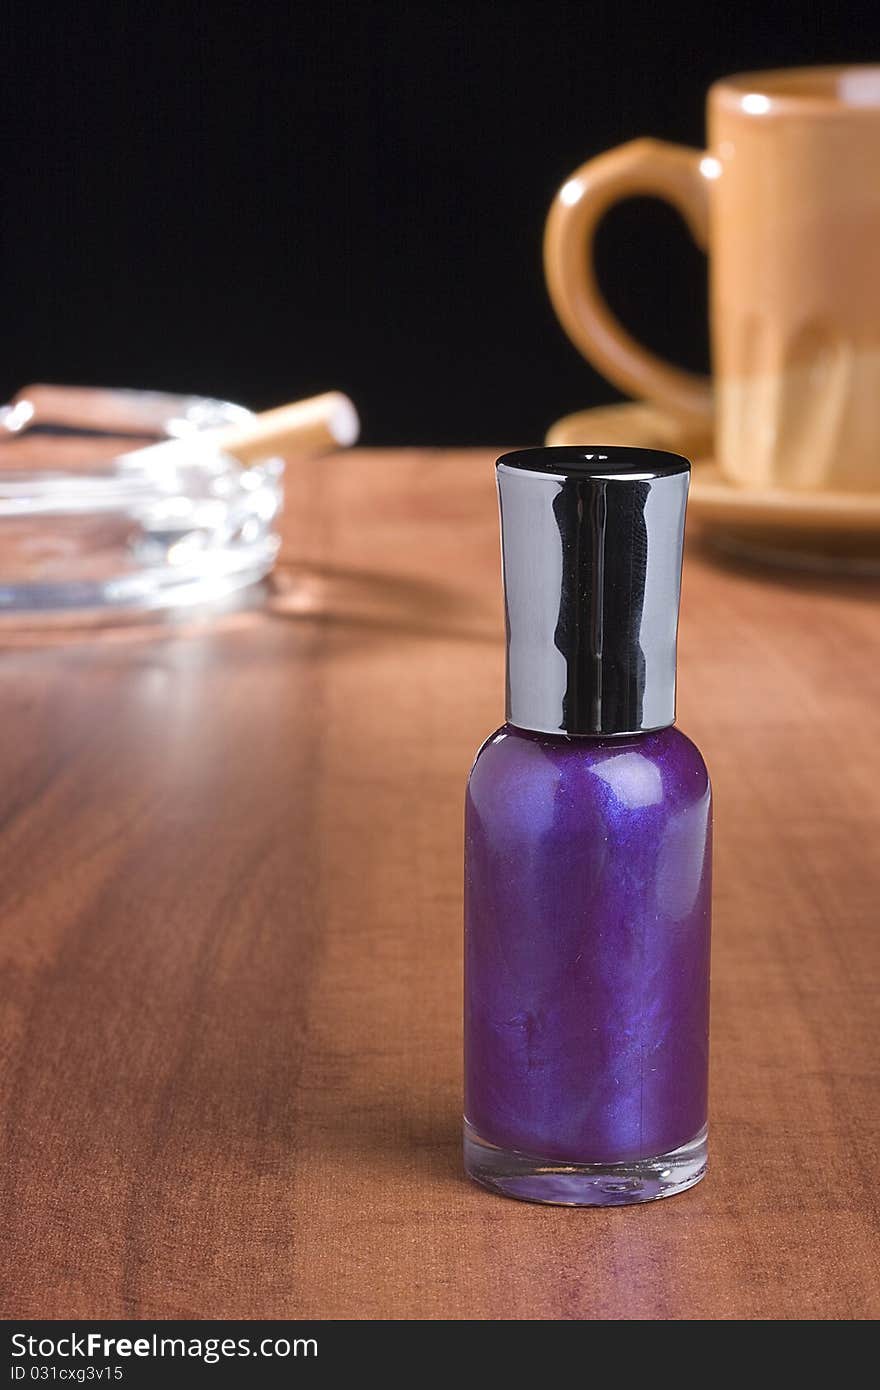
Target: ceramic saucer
817 530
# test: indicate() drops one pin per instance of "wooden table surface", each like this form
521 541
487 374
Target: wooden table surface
230 935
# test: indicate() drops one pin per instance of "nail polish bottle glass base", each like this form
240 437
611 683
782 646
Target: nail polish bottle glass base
550 1182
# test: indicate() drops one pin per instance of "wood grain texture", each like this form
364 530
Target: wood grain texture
230 908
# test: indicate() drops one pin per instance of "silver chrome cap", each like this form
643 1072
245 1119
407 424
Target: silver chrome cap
591 543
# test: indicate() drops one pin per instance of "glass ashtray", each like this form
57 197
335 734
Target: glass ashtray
88 526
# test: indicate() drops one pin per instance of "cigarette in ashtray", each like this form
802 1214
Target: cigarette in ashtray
314 426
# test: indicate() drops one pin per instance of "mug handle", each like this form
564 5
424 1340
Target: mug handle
642 167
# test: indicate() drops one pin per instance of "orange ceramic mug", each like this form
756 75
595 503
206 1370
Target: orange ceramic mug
787 201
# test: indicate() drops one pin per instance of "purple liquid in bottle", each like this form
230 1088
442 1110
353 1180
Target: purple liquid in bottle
588 857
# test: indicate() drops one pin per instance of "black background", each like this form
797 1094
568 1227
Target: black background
260 201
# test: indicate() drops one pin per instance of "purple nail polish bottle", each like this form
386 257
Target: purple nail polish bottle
588 849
